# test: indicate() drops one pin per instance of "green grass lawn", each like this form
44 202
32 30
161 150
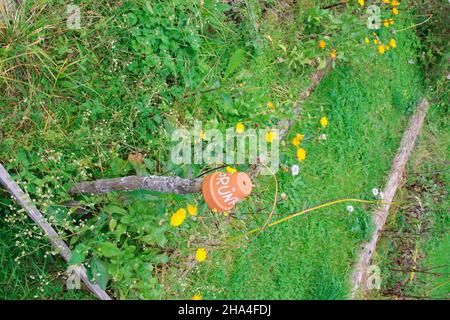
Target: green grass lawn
85 104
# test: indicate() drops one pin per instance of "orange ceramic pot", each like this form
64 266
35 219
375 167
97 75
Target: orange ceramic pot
222 191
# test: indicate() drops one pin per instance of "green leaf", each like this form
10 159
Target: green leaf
78 254
100 273
112 224
235 61
108 249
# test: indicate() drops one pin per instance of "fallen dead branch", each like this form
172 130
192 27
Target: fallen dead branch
26 203
380 215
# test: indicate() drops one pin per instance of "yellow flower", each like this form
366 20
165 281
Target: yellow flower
297 139
192 210
333 54
395 3
178 217
240 128
361 2
323 121
270 105
393 43
231 169
301 154
391 21
270 135
381 49
322 44
386 23
197 297
395 10
241 84
200 255
386 1
375 41
367 40
202 135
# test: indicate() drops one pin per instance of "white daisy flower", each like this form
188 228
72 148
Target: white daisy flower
375 191
295 169
350 208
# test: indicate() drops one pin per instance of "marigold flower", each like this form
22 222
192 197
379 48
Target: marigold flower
197 297
178 217
393 43
301 154
395 10
323 121
270 136
200 255
230 169
270 105
322 44
240 128
381 49
192 210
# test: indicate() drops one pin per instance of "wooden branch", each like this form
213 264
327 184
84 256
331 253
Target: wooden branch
156 183
26 203
380 215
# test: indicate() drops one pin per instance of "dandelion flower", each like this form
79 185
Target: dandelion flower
202 135
297 139
178 217
350 208
386 23
333 54
270 136
391 21
323 121
295 169
270 105
240 128
200 255
395 11
361 3
375 41
395 3
192 210
393 43
230 169
367 40
322 44
381 49
197 297
301 154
